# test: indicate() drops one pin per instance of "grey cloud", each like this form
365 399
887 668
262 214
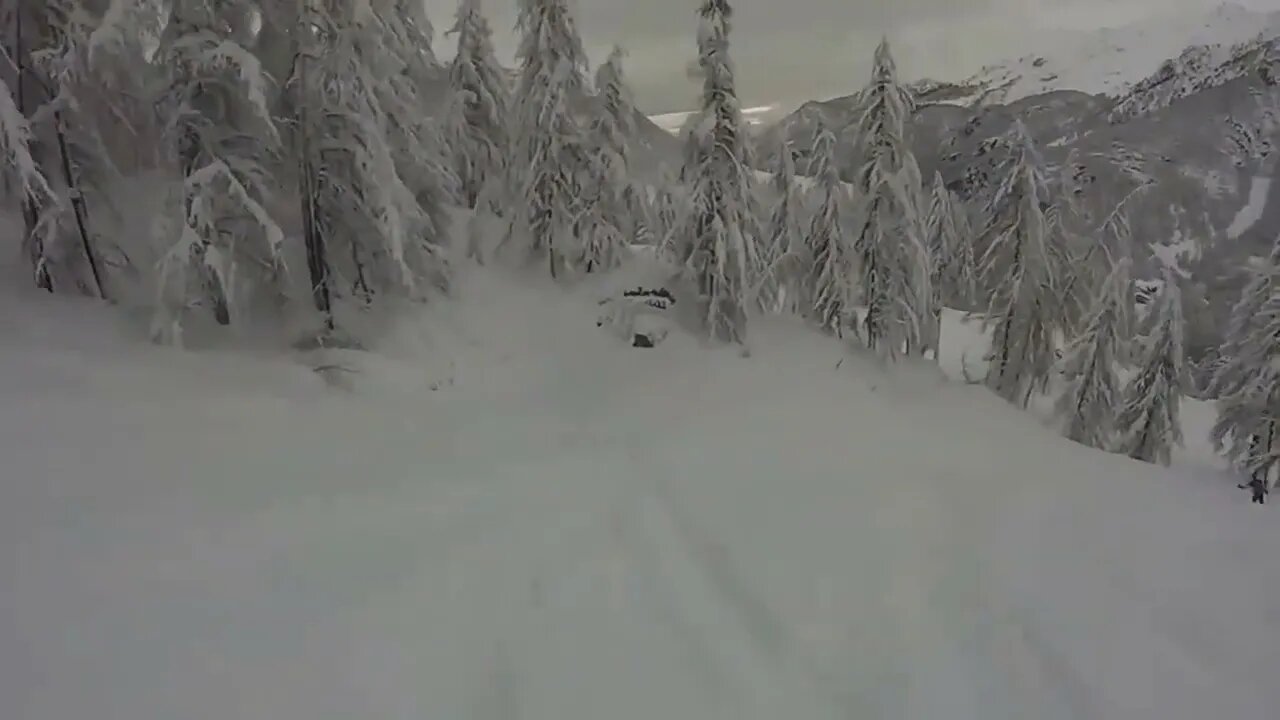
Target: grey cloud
787 51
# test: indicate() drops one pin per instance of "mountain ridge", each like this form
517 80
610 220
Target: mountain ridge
1203 125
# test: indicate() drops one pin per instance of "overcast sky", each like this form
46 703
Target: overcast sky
789 51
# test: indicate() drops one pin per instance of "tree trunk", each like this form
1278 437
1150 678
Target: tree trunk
317 256
77 205
30 211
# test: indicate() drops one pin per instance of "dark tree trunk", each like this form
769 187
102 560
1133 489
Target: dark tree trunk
313 238
78 206
30 211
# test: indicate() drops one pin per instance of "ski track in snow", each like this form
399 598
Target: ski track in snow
580 530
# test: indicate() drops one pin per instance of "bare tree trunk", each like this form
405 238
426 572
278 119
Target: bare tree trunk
77 205
317 257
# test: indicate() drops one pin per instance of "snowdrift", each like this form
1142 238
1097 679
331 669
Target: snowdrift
507 512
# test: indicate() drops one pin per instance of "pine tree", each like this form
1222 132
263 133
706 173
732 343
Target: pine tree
21 168
480 133
668 209
1234 365
783 250
396 43
319 268
1022 272
1247 378
609 202
15 144
1149 420
377 203
35 191
829 287
552 63
84 166
951 252
1086 407
717 245
889 242
220 130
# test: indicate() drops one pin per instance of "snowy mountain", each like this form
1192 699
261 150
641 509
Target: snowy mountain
500 511
1202 126
1110 61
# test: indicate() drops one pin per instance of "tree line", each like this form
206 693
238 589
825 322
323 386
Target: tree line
312 152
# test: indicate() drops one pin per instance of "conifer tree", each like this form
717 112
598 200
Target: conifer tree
609 201
1149 422
951 254
549 139
830 289
889 242
480 132
1023 273
1247 378
396 45
783 250
66 119
377 203
1090 362
22 171
1234 364
717 245
220 130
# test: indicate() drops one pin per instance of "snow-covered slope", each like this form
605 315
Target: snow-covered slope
1109 61
506 514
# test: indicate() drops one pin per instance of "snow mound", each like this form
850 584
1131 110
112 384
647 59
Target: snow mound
573 529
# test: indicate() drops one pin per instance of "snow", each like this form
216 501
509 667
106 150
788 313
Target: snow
1251 213
755 117
509 513
1180 249
1109 60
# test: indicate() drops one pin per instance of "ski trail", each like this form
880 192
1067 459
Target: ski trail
734 631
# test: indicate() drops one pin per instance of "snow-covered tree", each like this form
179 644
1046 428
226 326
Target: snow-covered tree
717 243
1086 271
220 130
549 139
1149 422
952 261
22 163
782 250
890 241
609 202
400 55
1247 379
371 173
668 208
76 102
829 288
1236 357
74 72
15 144
480 132
1090 362
1246 428
1022 273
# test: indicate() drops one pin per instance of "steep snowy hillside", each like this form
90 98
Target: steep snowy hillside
1111 60
507 514
1202 128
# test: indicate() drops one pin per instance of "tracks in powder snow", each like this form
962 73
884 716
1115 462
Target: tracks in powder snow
691 579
